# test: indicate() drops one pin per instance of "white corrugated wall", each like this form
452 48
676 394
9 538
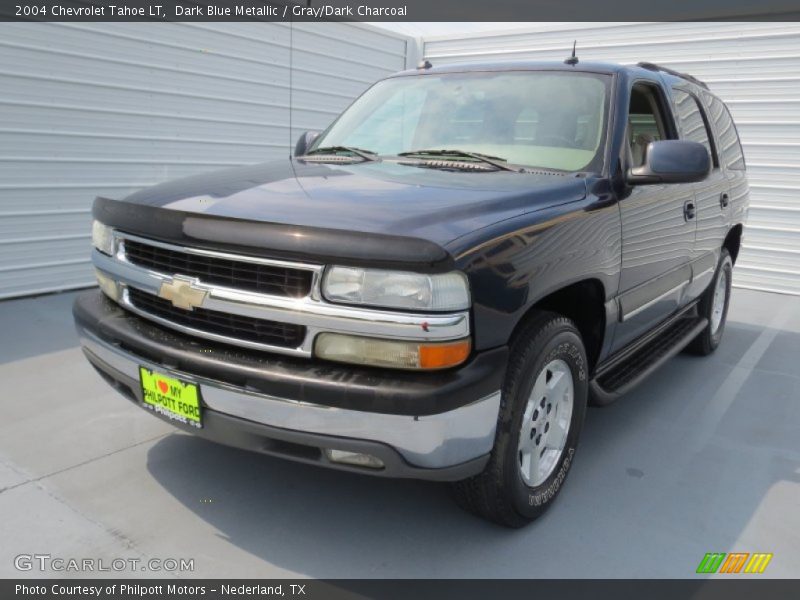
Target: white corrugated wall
88 109
104 109
753 67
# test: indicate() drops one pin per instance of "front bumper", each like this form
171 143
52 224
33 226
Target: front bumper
422 425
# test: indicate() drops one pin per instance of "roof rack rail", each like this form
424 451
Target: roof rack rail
655 67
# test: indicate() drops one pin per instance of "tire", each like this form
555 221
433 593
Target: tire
708 340
511 490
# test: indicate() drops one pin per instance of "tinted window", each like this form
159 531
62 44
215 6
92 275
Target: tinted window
693 122
730 150
547 119
394 121
647 122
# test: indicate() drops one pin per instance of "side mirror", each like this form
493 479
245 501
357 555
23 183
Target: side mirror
304 143
672 161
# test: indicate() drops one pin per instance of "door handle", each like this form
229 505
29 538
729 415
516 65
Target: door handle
724 200
689 210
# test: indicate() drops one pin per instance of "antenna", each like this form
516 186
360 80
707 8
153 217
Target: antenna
291 60
572 60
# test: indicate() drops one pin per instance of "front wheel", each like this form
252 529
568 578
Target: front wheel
541 414
713 306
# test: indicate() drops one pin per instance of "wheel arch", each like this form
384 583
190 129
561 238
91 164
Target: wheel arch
733 241
583 302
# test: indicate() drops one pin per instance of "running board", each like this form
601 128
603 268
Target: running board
640 361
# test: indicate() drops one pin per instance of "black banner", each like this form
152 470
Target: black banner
397 10
745 587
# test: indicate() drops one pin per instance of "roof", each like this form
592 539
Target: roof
520 65
532 65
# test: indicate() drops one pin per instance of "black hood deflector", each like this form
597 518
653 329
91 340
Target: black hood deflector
371 214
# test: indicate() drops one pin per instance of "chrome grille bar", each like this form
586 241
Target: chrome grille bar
310 311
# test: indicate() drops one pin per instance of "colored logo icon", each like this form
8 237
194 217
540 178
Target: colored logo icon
735 562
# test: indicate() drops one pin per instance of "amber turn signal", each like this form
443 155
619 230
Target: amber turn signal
399 354
441 356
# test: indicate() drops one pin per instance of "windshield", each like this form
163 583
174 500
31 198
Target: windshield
544 119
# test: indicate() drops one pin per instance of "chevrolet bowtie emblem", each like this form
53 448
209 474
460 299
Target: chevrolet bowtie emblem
182 293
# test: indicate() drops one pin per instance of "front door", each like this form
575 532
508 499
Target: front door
658 226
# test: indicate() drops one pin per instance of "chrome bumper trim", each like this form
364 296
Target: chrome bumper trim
434 441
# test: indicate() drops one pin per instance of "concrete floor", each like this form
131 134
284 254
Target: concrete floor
703 457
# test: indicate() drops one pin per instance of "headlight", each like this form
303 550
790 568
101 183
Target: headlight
396 289
103 237
391 353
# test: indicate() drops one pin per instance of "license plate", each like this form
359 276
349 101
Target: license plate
175 399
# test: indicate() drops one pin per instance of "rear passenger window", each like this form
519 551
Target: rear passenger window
693 122
728 145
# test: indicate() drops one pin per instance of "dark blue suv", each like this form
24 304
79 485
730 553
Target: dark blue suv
436 285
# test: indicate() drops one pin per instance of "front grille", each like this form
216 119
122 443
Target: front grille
211 321
237 274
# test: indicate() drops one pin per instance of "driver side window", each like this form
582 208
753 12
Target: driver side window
646 122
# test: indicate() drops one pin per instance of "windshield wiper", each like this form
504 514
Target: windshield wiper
495 161
365 154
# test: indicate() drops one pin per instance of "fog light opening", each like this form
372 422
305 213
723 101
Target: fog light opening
355 459
108 286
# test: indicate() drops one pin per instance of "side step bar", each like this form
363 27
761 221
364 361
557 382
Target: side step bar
634 364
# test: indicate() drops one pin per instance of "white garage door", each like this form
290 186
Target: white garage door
754 67
104 109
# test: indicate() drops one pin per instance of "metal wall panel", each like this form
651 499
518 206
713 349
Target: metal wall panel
753 67
91 109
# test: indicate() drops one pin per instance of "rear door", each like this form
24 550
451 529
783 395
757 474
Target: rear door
731 158
712 194
658 225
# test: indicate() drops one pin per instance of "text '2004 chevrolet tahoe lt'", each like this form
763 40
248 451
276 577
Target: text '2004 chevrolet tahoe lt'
437 285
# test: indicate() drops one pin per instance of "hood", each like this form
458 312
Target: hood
377 199
383 198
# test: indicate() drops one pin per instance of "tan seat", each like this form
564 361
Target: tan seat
639 148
